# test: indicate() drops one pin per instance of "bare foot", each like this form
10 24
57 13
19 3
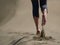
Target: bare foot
38 32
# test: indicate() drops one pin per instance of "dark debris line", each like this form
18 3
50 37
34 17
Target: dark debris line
14 43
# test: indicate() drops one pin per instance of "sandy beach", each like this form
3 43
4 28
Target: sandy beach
17 25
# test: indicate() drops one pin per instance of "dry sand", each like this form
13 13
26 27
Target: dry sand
17 26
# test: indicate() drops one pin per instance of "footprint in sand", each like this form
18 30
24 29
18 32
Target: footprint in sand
33 39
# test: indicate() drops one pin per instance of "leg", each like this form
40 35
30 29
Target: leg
35 6
36 20
44 17
43 6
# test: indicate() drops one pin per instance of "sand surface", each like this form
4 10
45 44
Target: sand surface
17 26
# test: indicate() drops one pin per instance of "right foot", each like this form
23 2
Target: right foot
43 34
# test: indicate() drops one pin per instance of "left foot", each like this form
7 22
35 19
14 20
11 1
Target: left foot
38 32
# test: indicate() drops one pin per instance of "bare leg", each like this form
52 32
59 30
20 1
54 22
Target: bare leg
44 19
36 20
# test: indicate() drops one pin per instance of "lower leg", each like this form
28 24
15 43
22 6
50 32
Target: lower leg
44 19
35 5
36 20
